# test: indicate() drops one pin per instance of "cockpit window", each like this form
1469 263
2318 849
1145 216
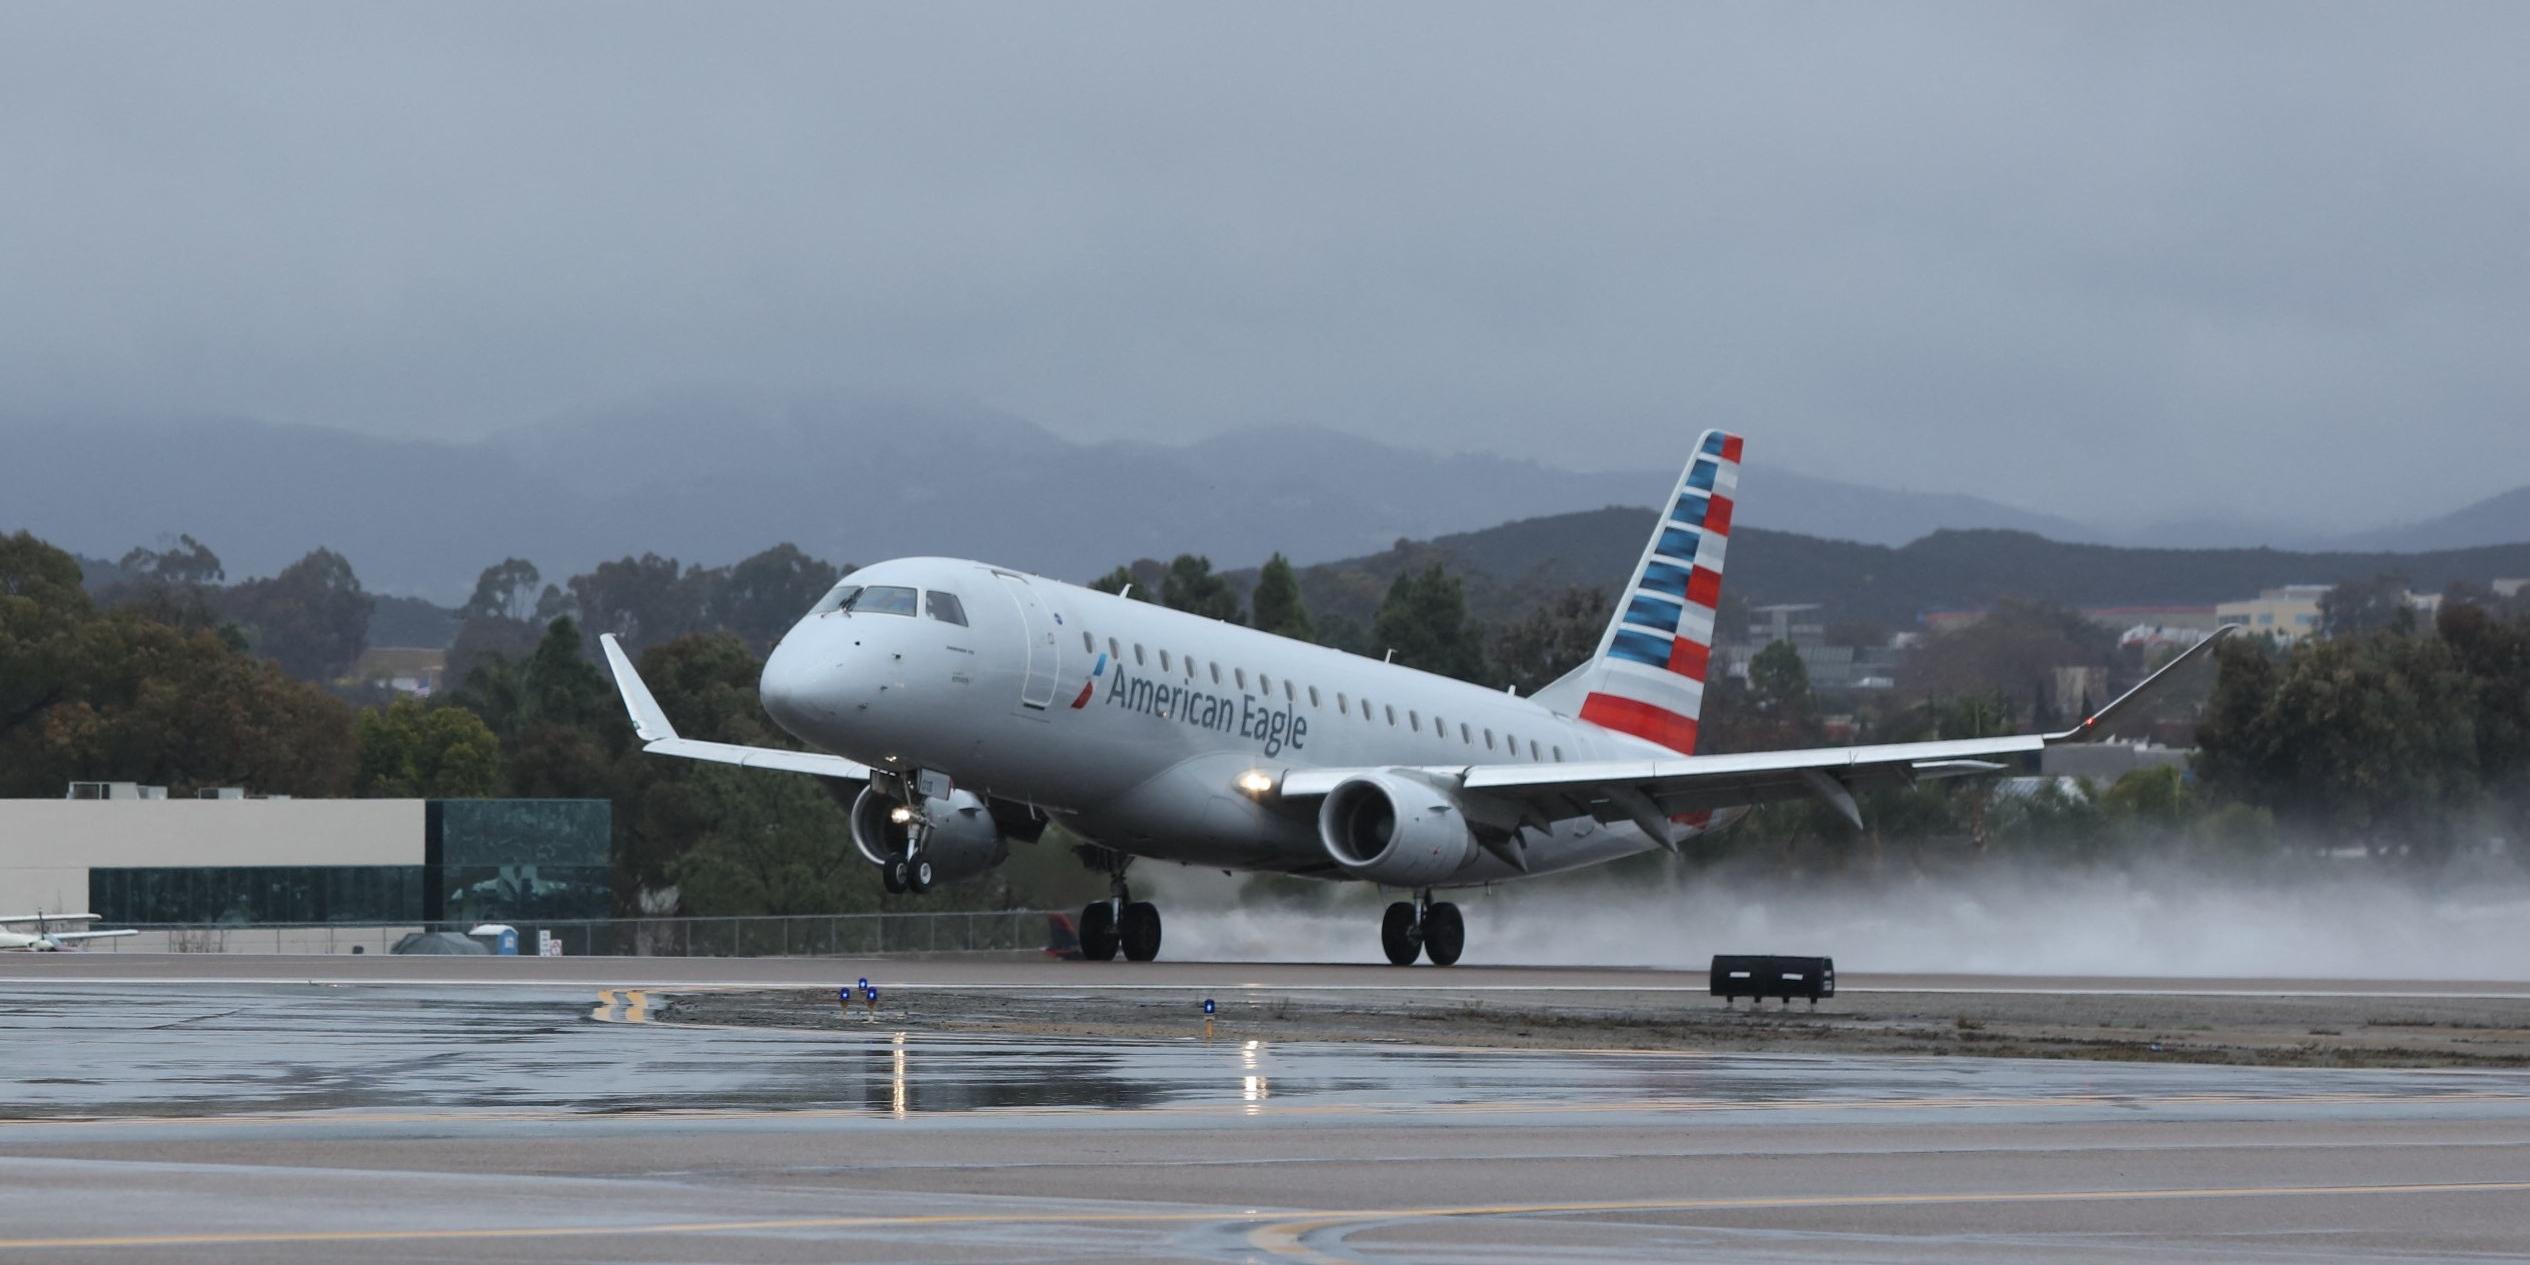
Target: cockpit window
880 599
835 598
945 607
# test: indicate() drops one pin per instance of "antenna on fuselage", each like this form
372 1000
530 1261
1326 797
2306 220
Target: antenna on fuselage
1126 591
1391 656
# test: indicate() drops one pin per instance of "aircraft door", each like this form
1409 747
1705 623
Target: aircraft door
1045 649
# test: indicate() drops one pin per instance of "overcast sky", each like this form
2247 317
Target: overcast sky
2115 259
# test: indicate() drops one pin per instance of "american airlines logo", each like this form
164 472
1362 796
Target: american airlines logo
1272 727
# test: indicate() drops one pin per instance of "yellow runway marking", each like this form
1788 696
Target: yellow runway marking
1280 1234
634 1008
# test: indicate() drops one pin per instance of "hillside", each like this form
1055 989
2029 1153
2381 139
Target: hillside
1507 567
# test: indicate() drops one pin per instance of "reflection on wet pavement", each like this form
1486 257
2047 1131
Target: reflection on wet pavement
123 1050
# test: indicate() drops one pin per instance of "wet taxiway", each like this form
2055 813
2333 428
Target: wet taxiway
411 1121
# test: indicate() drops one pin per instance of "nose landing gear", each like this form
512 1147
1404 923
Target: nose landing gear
1423 927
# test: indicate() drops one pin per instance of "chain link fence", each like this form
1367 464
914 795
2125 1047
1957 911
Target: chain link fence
805 935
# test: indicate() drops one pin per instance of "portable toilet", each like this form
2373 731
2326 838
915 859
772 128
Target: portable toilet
500 937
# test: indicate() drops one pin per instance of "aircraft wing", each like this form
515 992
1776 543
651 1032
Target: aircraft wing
1649 792
658 737
73 937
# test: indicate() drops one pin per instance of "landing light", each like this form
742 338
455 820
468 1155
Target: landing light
900 814
1256 781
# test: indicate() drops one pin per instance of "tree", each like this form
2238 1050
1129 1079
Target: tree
2357 607
1139 580
1276 602
644 601
2361 739
764 595
772 845
412 751
2017 646
1191 586
312 618
1424 621
173 586
188 563
1778 681
1556 637
507 590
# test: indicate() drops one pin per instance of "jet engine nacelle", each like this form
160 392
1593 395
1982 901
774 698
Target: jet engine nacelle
964 840
1395 830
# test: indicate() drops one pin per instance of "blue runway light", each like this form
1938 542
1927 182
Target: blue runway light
864 985
1207 1005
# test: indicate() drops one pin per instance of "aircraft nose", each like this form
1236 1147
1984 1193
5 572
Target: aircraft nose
788 684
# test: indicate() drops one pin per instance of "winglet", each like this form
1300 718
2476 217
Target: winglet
2095 727
649 723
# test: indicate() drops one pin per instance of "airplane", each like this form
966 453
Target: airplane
964 706
47 940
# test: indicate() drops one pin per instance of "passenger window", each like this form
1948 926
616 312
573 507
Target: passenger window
1559 754
1465 734
1511 745
1488 740
1138 660
1414 720
1533 755
1288 695
1440 728
1163 659
1342 704
945 607
1089 644
1391 709
1190 667
1313 697
1264 685
1241 674
1216 672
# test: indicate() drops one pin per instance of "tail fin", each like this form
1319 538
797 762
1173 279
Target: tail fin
1648 677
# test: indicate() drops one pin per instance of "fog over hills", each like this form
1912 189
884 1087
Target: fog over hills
706 480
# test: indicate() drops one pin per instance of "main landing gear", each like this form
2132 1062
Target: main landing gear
1423 927
1120 922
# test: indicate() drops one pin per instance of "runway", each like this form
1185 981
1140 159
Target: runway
1017 972
187 1119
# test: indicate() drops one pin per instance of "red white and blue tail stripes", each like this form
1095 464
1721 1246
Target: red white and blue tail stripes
1648 679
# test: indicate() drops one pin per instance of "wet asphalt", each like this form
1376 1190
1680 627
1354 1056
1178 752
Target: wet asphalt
202 1120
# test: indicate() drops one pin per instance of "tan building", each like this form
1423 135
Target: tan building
2287 614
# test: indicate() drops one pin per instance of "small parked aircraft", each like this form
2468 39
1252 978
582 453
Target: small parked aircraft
45 939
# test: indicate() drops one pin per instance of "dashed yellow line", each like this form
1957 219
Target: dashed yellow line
634 1006
1282 1232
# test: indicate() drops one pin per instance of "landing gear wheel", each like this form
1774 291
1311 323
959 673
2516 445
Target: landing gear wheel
1140 931
892 876
1398 935
1444 934
918 876
1098 932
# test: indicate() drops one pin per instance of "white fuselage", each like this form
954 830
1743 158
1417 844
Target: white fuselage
1133 723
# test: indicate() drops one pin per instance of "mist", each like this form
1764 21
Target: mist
2011 919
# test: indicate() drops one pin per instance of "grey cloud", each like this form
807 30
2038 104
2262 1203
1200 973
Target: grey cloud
2110 260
